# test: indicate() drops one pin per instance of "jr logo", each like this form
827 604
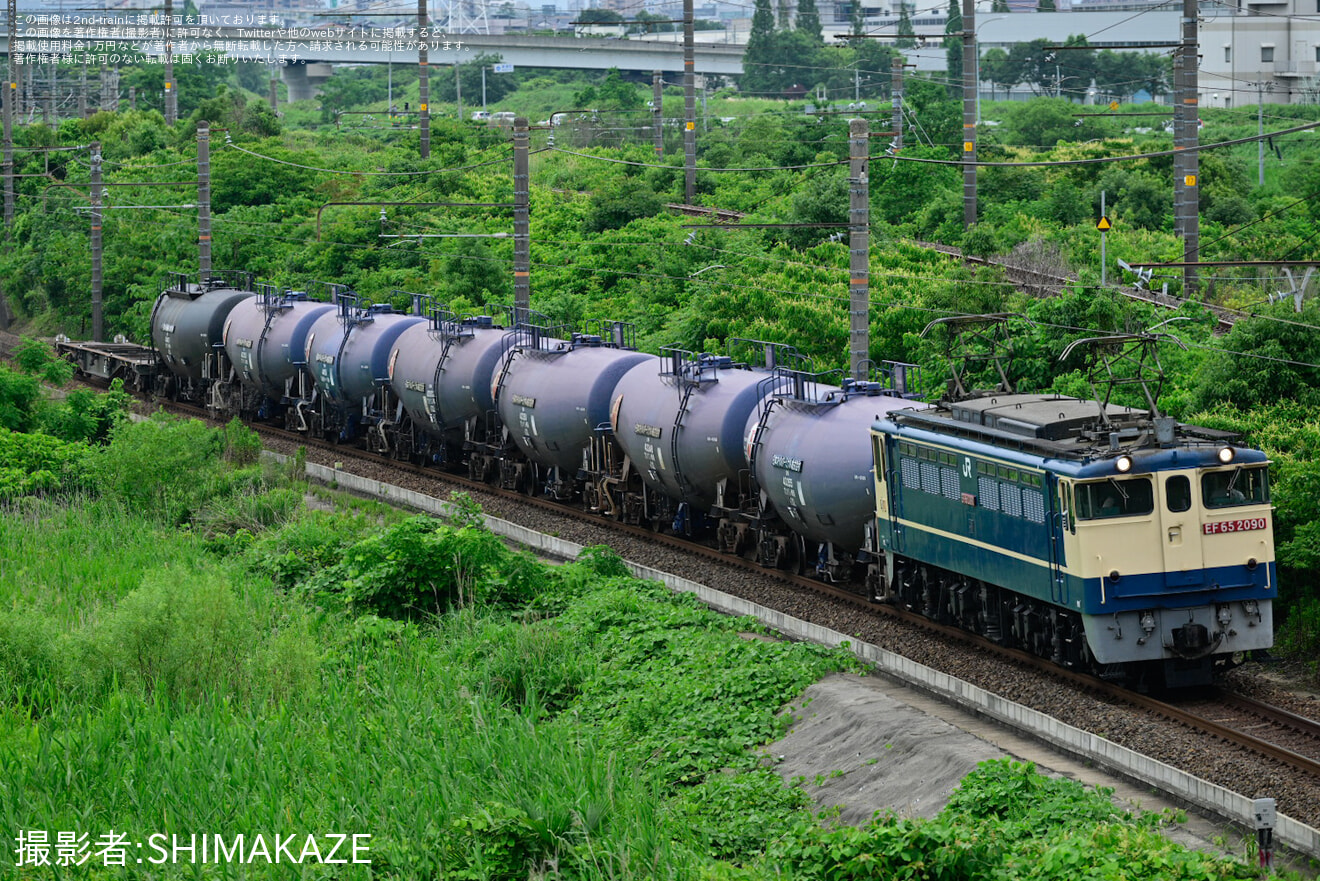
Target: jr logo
967 466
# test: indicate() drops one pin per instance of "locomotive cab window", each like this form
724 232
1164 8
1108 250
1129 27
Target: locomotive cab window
1241 486
1110 499
1178 493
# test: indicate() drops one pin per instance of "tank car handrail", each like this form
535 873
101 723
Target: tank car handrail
691 366
416 299
771 351
333 290
613 333
503 310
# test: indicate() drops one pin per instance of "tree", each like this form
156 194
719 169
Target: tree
1046 6
906 32
613 93
996 69
953 47
808 20
599 16
757 54
999 6
1028 65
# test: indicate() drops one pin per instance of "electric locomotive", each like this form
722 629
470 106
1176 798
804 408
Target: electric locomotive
1105 538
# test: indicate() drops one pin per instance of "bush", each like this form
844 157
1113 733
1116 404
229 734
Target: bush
180 635
980 240
33 663
159 466
185 636
423 566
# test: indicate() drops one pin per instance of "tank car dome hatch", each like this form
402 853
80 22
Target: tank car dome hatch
266 338
442 370
188 321
682 422
553 398
812 459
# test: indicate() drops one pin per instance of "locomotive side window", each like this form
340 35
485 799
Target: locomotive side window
1178 493
1241 486
1108 499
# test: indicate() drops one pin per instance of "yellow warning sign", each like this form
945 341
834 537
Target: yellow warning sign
1189 180
968 146
423 108
1103 225
691 126
1113 105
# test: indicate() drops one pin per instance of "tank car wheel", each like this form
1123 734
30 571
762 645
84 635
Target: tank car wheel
797 555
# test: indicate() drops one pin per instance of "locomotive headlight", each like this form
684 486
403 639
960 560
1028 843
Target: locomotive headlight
1123 464
1226 455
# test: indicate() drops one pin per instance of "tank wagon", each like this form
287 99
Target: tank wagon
187 330
441 373
810 451
264 338
679 422
348 355
553 396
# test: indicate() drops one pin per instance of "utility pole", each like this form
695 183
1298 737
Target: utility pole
522 246
48 106
424 79
82 89
132 97
657 112
274 94
171 93
689 106
98 322
1103 256
11 95
458 90
970 87
896 100
1261 87
859 248
1187 164
204 200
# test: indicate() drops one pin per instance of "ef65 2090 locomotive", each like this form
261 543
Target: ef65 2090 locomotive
1106 538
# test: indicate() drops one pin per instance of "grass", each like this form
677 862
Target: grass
237 677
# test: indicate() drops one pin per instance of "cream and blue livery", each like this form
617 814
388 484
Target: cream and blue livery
1132 546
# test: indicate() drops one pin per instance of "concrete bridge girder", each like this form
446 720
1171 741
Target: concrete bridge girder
305 78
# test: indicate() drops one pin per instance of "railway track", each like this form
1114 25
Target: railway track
1269 732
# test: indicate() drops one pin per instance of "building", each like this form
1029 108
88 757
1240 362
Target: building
1263 51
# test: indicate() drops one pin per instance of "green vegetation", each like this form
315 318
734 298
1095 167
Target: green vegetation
604 246
479 714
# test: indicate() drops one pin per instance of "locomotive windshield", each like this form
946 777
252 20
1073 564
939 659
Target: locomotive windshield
1241 486
1107 499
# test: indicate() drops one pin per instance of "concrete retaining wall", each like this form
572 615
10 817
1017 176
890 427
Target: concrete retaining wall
1207 796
